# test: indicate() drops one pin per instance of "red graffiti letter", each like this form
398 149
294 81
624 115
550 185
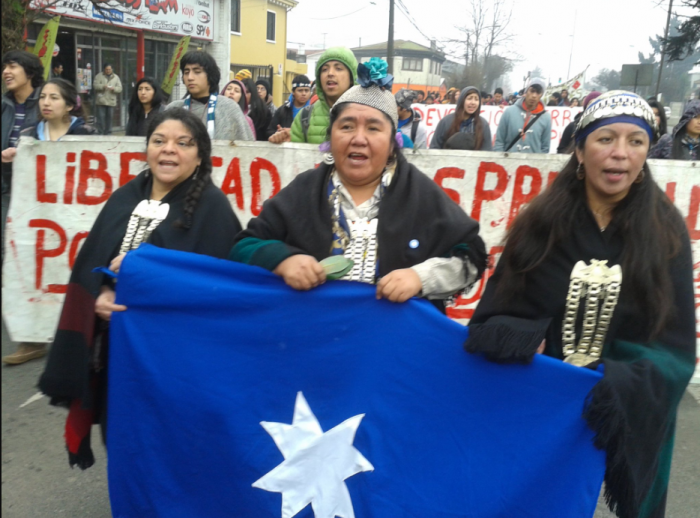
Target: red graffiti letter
125 160
692 220
232 182
449 172
480 193
70 179
41 195
519 197
41 252
260 164
87 173
671 191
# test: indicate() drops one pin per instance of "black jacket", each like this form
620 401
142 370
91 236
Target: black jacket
283 117
8 120
79 127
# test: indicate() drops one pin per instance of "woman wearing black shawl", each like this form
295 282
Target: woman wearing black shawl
369 205
602 260
173 204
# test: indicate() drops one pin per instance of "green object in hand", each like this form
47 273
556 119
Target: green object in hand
336 266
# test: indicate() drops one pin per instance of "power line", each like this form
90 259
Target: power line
407 14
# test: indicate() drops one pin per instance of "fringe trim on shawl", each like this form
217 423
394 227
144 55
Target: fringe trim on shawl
507 339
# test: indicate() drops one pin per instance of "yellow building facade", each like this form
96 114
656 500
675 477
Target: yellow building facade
259 43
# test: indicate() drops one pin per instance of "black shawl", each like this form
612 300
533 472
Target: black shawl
68 378
413 208
633 409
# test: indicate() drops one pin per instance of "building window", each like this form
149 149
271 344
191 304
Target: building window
236 16
271 22
415 65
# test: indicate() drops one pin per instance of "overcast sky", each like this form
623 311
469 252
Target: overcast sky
608 33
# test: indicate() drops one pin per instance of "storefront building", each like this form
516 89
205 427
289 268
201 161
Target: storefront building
132 34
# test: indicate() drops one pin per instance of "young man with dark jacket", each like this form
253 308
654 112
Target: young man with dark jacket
23 76
279 128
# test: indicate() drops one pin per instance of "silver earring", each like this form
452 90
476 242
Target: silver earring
196 170
328 159
580 173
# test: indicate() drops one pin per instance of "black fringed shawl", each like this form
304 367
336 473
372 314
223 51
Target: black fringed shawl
70 376
633 409
413 209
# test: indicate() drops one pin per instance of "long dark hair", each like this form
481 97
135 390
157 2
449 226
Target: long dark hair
663 123
650 226
136 111
461 116
68 93
259 111
201 138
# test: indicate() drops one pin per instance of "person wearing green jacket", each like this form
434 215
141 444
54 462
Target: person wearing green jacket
336 72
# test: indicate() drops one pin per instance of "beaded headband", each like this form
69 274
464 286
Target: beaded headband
616 106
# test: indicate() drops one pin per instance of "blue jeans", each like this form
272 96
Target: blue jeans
104 119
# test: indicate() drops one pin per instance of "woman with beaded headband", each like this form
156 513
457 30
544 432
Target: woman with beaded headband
598 270
172 204
393 225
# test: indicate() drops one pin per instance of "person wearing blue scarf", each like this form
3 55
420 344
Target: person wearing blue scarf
279 129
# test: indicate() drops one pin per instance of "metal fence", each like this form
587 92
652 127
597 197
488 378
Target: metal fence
258 72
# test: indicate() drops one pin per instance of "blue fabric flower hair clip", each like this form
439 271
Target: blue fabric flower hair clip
374 72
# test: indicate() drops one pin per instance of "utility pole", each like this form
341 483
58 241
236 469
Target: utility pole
390 42
663 49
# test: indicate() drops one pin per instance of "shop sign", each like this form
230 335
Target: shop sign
169 16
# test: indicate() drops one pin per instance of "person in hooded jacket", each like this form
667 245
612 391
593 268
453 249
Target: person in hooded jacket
336 72
526 127
661 121
684 142
236 91
465 119
61 113
265 93
565 146
410 120
280 126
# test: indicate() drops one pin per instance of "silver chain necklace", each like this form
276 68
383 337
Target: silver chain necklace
143 221
596 282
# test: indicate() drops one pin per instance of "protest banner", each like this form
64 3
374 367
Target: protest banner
434 113
59 189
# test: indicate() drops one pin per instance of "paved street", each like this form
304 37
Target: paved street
37 481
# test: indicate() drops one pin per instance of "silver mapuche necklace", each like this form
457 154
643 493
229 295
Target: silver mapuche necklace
599 287
362 250
143 221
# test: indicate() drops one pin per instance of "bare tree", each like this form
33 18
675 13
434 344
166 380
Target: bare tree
485 32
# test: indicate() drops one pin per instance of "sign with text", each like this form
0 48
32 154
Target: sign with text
434 113
59 189
189 18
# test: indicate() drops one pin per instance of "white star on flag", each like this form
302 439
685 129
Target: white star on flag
315 464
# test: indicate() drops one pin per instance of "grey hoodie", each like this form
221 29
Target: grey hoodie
514 119
664 148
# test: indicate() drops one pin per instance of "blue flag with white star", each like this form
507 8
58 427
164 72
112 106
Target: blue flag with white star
231 394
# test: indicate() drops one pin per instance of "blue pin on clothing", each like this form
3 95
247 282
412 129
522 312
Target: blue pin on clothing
226 384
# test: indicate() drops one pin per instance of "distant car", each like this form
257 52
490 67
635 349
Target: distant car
667 110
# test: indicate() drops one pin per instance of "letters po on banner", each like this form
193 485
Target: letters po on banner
59 189
434 113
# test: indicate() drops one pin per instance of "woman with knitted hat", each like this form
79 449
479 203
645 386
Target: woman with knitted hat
265 93
336 72
598 272
370 214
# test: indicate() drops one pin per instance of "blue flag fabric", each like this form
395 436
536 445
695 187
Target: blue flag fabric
209 349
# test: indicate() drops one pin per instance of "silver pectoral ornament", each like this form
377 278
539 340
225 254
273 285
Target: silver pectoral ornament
597 286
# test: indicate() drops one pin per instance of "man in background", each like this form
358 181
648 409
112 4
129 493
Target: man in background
108 87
